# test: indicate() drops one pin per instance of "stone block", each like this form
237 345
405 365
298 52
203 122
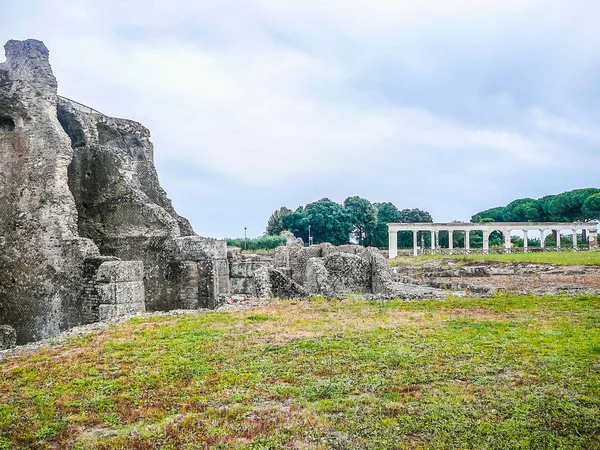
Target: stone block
127 292
106 312
242 286
348 273
120 271
196 248
317 278
247 266
8 337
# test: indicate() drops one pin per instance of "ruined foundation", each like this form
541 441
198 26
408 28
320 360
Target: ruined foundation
294 271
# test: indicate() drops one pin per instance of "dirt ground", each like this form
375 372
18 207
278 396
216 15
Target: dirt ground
528 282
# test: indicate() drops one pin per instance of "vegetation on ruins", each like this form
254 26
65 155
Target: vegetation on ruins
511 372
571 206
355 220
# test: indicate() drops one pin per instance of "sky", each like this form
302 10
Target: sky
452 107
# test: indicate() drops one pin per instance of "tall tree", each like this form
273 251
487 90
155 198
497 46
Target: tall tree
415 215
591 208
329 222
363 217
564 207
386 213
405 239
297 222
522 210
275 223
495 214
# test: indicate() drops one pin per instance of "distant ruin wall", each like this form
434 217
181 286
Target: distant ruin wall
198 272
323 269
242 268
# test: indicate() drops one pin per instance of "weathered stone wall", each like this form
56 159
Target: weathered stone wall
348 273
295 256
120 288
271 282
327 270
317 278
8 337
242 268
120 202
90 297
75 185
198 273
125 211
41 252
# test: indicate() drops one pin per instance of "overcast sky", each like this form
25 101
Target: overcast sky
448 106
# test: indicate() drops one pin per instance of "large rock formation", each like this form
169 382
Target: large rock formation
41 252
86 231
120 203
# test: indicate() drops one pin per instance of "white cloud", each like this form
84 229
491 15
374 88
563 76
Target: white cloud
279 92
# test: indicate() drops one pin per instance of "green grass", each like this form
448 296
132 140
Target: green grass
587 258
504 373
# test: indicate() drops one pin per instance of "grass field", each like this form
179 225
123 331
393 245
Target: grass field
501 373
588 258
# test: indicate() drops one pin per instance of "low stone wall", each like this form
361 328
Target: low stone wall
242 270
295 257
198 274
120 287
322 269
90 297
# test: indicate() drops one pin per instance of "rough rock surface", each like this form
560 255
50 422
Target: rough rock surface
242 267
78 193
317 278
41 253
348 273
335 271
8 337
271 282
120 202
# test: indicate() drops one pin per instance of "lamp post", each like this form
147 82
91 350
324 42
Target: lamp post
309 238
245 239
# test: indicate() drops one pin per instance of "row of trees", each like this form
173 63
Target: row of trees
572 206
259 243
355 220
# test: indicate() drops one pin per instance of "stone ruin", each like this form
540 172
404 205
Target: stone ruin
294 270
86 231
88 234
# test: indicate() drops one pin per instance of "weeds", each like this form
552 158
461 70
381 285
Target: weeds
507 372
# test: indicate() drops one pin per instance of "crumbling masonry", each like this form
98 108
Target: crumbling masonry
88 234
86 231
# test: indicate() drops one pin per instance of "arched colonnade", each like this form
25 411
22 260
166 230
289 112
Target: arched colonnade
506 228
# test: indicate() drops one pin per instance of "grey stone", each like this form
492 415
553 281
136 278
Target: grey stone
348 273
317 278
196 248
120 271
8 337
78 190
41 252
